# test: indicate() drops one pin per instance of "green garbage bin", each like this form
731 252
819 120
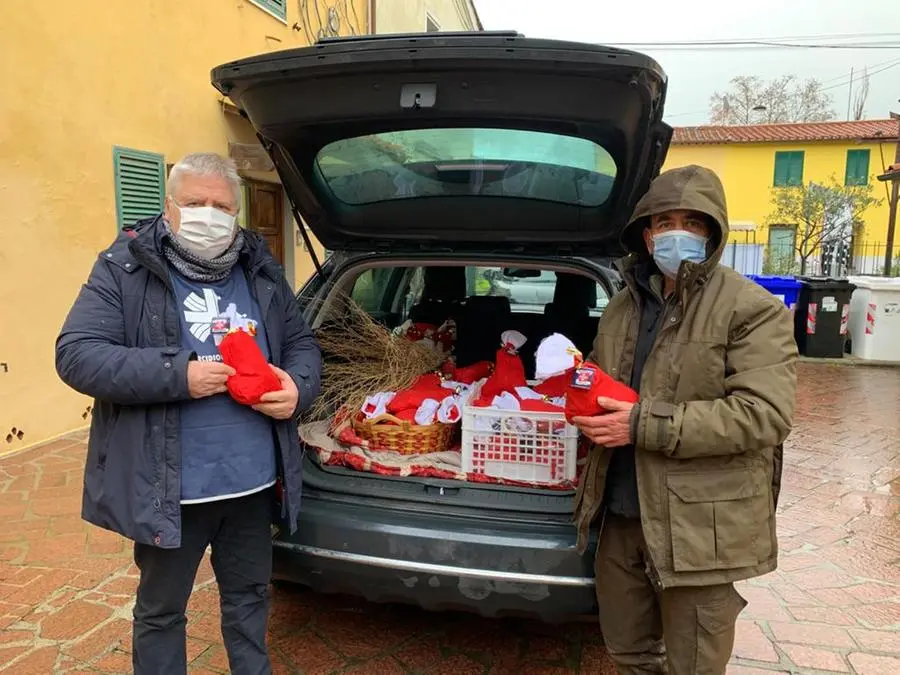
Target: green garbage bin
822 316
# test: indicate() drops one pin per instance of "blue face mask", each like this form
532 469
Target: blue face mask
670 249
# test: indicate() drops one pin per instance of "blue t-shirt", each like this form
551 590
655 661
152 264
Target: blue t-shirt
227 449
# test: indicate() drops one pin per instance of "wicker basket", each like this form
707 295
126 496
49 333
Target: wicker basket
390 433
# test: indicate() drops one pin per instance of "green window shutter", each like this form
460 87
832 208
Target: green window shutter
796 172
277 8
781 169
788 168
140 184
857 167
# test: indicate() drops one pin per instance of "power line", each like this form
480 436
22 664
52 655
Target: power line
754 46
885 66
768 39
862 41
865 67
893 64
685 114
874 69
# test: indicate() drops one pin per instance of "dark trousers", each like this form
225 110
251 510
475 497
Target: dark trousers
238 532
680 631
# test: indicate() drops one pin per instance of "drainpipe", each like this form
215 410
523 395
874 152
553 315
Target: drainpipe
372 29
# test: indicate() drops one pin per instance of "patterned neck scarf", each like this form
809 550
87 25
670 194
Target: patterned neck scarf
195 268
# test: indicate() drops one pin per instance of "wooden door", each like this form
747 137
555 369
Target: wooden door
267 215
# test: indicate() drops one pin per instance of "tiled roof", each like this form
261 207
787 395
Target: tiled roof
779 133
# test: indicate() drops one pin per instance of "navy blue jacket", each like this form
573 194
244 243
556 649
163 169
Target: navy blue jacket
121 345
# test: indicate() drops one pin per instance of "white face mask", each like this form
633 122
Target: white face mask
205 231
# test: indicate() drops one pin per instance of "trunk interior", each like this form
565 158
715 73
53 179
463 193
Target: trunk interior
484 299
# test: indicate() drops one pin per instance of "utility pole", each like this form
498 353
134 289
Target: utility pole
892 207
850 94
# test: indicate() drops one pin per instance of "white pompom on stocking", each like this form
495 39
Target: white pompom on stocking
555 355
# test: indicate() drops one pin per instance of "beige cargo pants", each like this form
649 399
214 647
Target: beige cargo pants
679 631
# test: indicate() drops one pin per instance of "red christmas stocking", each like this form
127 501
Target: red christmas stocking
587 384
254 377
509 372
539 406
474 373
554 387
427 386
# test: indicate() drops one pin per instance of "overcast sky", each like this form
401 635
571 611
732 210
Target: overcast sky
695 75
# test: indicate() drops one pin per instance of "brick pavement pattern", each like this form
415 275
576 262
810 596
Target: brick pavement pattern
66 588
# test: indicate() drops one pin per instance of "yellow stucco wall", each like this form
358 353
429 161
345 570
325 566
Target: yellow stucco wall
80 78
409 16
748 171
304 267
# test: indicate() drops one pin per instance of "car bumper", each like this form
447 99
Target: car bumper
438 562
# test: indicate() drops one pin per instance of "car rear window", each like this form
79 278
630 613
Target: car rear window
466 162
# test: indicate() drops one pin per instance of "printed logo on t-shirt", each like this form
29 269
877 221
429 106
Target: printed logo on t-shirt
203 318
199 313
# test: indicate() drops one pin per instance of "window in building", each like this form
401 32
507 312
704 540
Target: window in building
140 184
431 26
277 8
788 169
857 167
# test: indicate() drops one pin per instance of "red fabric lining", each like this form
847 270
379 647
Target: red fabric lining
350 460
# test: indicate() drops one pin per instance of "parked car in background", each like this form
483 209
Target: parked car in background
532 290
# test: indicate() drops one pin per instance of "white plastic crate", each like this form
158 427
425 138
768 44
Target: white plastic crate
530 447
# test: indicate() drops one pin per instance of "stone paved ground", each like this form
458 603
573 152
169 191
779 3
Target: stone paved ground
833 606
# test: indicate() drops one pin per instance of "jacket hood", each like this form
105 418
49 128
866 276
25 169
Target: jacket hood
693 188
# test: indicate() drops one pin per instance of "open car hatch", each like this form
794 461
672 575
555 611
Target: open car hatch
477 141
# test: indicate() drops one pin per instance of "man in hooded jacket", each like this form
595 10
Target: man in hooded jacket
684 483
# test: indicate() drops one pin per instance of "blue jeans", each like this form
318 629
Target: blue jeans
239 534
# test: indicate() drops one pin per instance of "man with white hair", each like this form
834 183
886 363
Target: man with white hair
175 463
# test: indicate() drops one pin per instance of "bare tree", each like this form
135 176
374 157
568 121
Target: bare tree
826 217
862 95
736 106
752 100
808 103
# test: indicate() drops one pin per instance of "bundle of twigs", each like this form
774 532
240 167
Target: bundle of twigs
361 357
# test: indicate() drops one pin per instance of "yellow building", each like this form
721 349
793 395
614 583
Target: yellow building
752 160
98 99
98 102
416 16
